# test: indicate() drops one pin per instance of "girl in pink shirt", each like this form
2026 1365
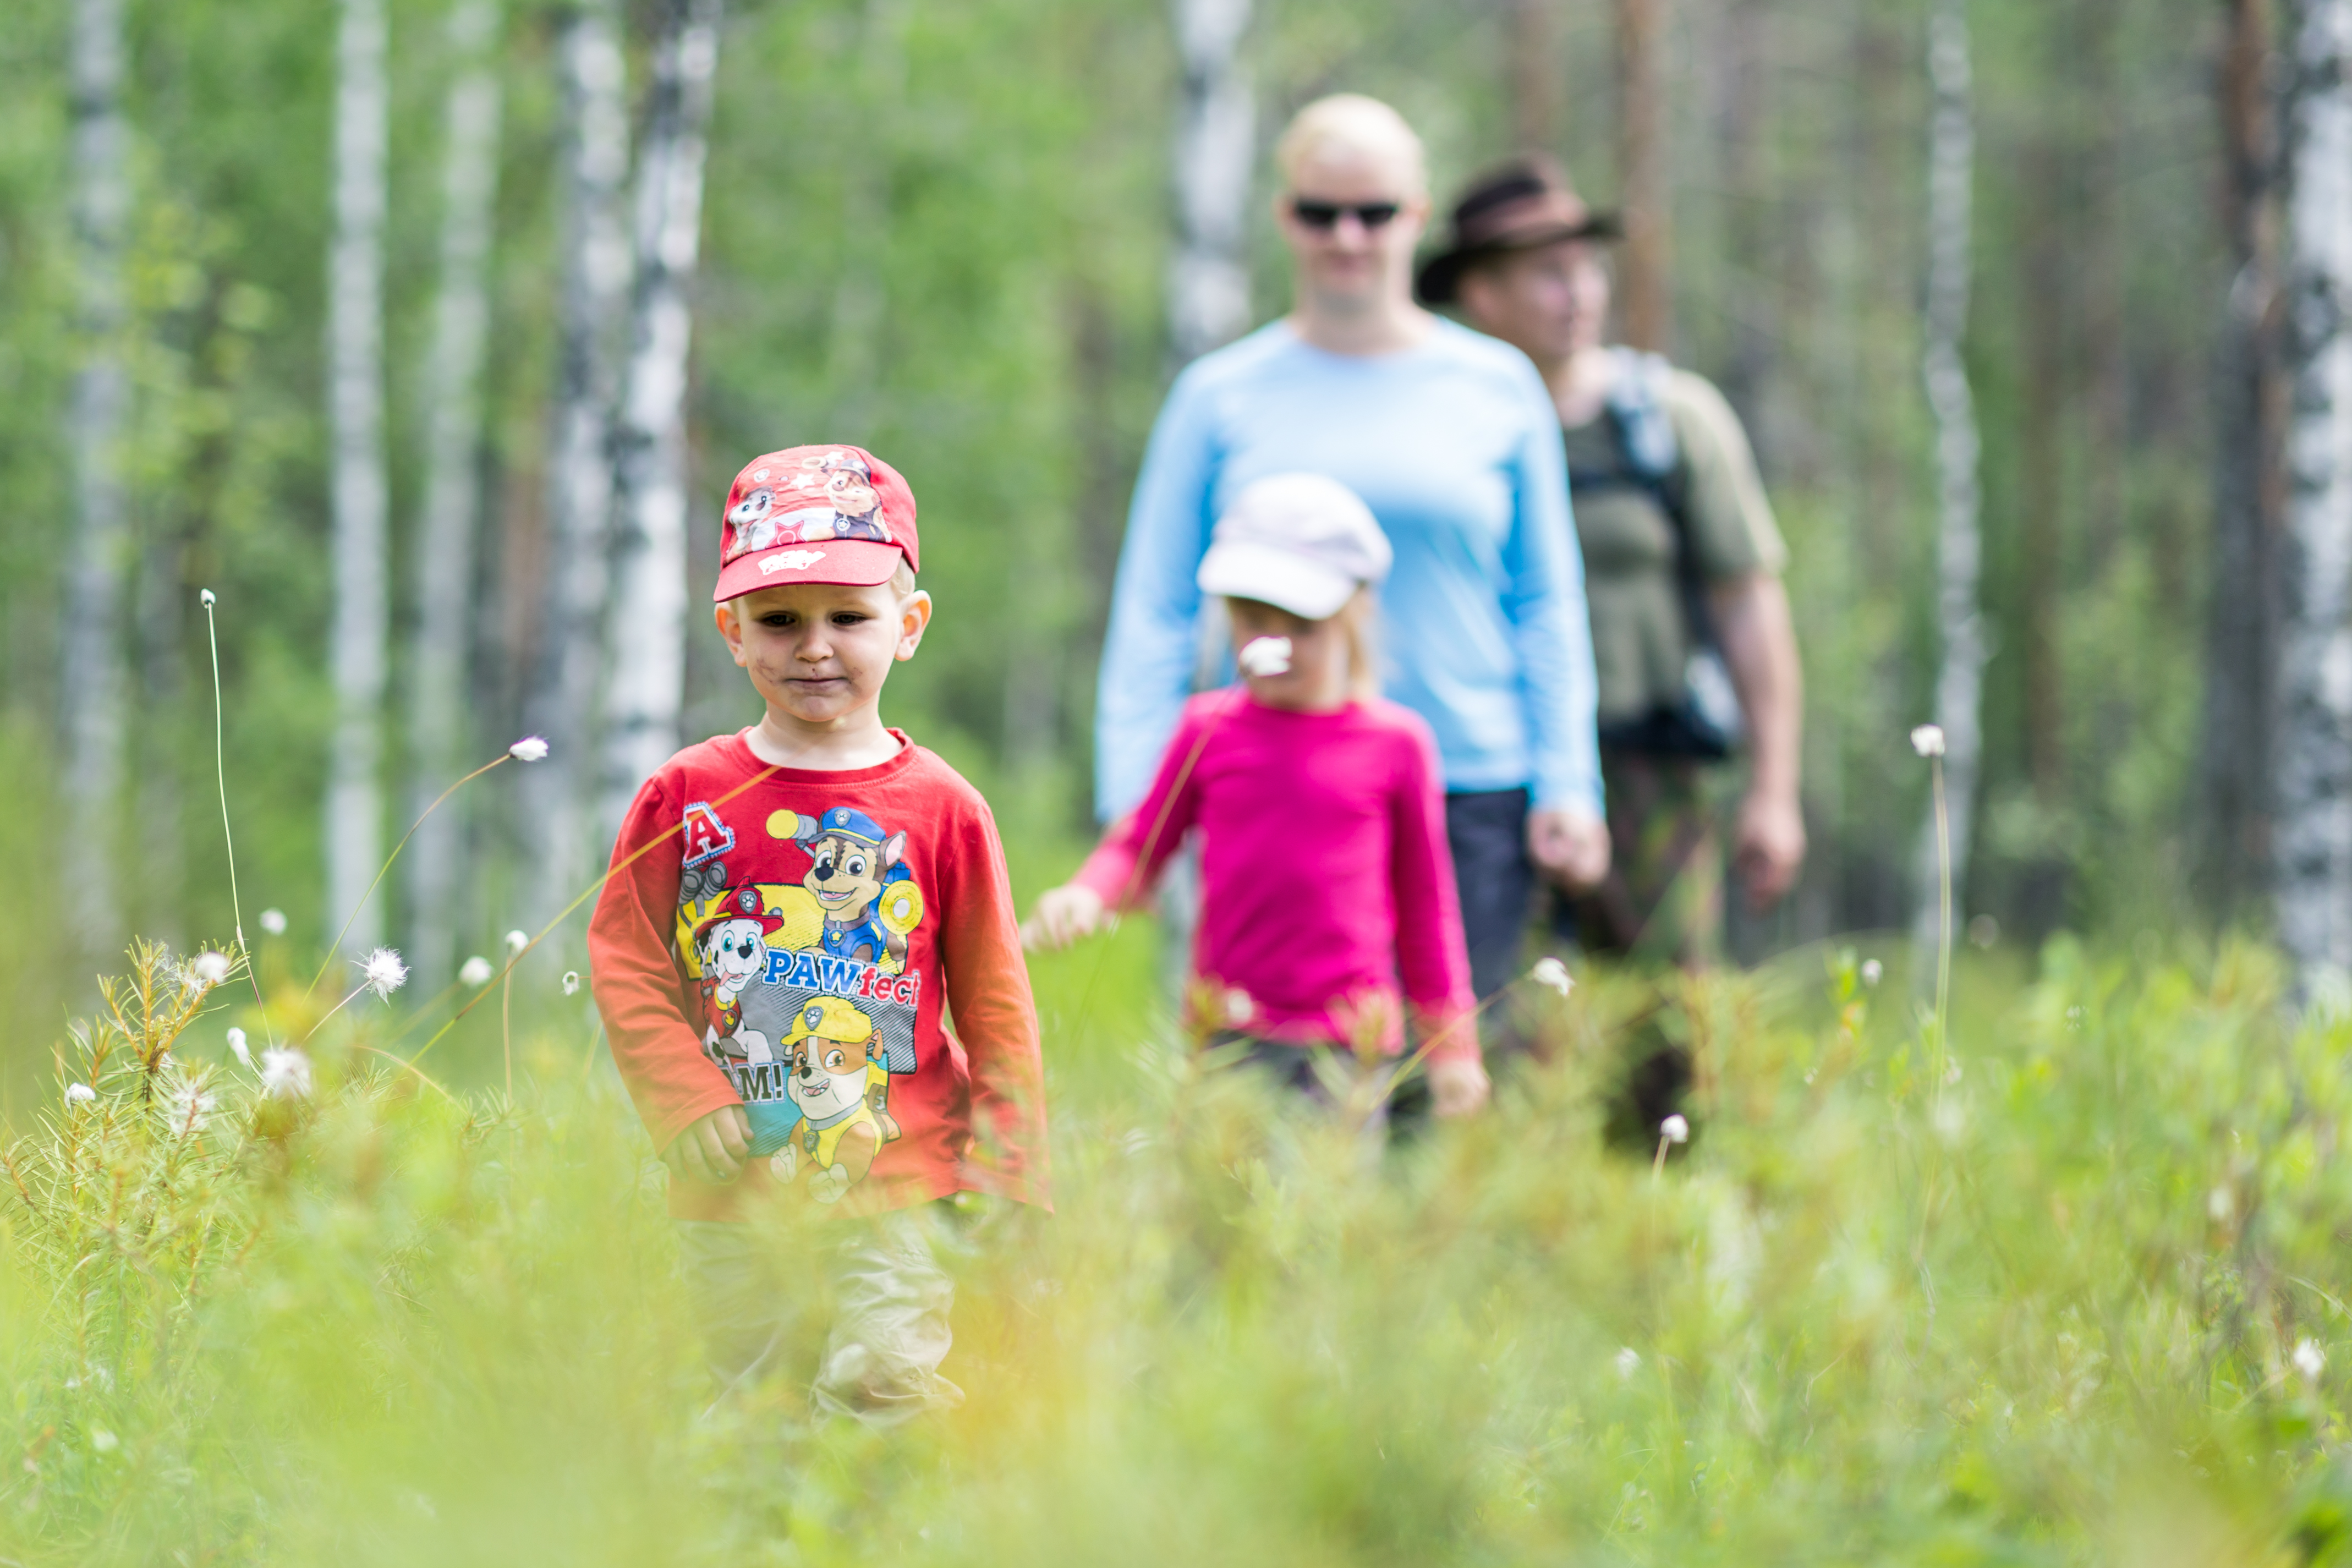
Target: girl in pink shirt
1327 907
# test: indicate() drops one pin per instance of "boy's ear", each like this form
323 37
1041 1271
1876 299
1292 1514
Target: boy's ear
914 617
729 628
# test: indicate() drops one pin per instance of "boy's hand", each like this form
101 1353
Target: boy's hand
1457 1088
712 1150
1062 915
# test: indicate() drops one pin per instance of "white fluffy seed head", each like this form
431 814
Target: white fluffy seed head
383 972
204 597
1873 971
530 748
274 921
476 971
1239 1008
286 1074
1552 975
236 1044
1629 1361
1675 1129
210 967
1928 740
570 982
79 1094
516 942
2309 1359
1266 657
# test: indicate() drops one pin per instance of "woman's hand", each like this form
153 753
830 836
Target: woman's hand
1458 1087
1062 915
712 1150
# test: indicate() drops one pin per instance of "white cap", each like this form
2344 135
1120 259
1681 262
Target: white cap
1301 543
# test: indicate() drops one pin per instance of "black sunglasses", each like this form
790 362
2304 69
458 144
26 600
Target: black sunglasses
1326 215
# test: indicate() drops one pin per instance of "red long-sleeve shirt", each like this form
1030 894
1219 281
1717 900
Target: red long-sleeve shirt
1327 887
795 941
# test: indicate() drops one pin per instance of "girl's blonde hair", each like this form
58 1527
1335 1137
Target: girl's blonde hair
1360 619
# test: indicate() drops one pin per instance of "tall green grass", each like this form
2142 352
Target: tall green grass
2050 1315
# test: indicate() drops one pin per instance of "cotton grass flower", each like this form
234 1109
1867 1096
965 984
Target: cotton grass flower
1629 1361
286 1074
2309 1359
530 748
209 966
242 1051
571 982
1928 740
274 921
1239 1008
1552 975
1675 1129
1266 657
476 971
383 972
1873 971
79 1094
516 942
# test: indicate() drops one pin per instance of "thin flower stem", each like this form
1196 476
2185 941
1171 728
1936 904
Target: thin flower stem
228 838
337 945
331 1013
506 1025
1943 921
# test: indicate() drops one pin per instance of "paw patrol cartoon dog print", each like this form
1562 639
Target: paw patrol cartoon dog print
835 1071
858 876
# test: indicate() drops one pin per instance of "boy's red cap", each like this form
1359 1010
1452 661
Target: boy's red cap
814 514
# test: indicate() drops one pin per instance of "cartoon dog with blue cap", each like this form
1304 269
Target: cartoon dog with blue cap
835 1071
858 876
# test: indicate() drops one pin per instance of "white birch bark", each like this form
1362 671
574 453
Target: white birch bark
92 681
1952 174
1217 130
356 372
2314 731
556 795
438 664
647 630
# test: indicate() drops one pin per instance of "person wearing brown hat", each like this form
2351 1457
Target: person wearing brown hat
1691 631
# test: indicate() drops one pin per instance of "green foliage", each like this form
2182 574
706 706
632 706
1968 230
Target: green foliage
2046 1310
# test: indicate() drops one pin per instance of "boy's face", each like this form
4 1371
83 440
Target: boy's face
819 652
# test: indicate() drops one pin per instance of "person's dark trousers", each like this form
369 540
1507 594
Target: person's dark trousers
1488 832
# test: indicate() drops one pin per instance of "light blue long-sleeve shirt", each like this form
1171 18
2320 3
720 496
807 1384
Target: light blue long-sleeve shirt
1455 446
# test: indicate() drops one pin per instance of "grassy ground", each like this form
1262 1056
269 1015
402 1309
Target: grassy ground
2043 1303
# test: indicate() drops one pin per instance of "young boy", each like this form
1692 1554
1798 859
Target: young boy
792 912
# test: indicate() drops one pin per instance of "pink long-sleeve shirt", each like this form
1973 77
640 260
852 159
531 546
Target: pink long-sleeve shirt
1326 888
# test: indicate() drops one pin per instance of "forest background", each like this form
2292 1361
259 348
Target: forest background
944 230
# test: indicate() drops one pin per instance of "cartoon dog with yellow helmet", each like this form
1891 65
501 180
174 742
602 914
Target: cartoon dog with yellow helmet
839 1082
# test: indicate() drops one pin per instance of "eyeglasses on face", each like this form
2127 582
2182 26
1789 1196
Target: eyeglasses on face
1326 215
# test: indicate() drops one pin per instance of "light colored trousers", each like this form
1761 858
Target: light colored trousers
890 1303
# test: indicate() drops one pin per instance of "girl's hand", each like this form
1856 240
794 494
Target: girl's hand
1062 915
1458 1087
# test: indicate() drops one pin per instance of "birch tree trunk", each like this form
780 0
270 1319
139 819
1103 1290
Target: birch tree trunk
438 731
647 637
2314 751
1645 315
2237 752
1216 130
355 370
91 684
557 793
1952 174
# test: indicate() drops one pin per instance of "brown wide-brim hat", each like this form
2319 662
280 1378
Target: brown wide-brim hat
1516 206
